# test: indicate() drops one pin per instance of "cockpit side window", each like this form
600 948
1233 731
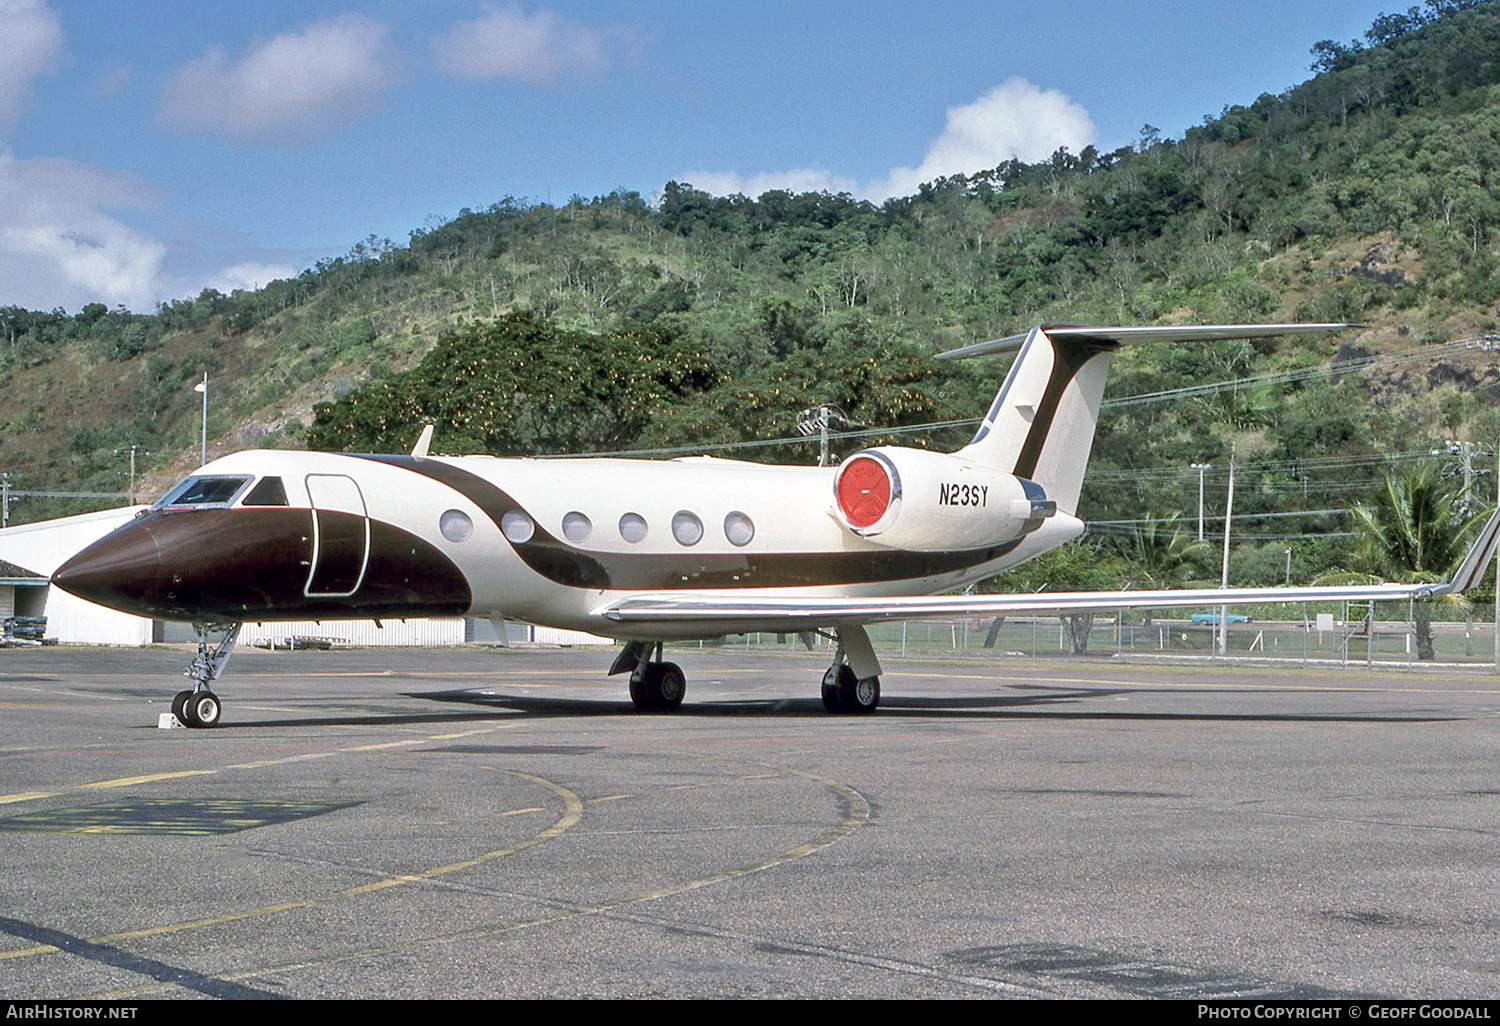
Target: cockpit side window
269 492
203 492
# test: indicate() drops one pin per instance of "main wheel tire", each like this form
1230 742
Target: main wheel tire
671 686
179 705
658 687
203 709
833 682
859 696
643 691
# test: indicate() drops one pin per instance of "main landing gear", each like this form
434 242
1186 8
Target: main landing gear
655 686
851 685
199 706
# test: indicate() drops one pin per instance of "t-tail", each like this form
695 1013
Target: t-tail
1024 468
1041 425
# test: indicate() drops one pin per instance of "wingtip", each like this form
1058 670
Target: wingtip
1471 571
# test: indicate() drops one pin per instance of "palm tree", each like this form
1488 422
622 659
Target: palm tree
1413 531
1163 552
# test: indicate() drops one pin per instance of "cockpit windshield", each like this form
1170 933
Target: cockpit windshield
203 492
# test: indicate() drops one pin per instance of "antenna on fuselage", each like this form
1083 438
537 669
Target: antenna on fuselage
420 449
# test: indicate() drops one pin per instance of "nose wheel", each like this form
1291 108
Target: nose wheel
197 708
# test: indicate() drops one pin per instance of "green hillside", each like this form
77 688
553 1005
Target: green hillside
1367 193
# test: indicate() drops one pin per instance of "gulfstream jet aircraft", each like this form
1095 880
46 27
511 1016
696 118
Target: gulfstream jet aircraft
651 551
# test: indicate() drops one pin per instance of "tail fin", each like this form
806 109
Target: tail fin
1041 424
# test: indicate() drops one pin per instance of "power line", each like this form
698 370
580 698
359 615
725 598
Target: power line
1242 516
1480 343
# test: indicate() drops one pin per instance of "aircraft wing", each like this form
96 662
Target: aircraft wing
771 612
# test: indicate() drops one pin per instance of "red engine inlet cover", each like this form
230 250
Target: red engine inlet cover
864 491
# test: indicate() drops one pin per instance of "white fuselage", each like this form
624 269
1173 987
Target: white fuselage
548 541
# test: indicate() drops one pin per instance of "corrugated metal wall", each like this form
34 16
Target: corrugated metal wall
391 633
556 636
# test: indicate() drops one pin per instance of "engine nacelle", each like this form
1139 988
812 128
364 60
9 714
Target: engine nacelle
914 499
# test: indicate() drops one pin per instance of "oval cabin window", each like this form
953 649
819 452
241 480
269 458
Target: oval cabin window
687 528
633 527
456 525
739 529
576 526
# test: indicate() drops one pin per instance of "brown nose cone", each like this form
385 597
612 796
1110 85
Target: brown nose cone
122 570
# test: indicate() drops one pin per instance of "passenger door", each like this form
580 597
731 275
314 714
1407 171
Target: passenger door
341 536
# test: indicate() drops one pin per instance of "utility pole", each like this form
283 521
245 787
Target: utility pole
1224 577
130 493
1200 468
817 420
1465 452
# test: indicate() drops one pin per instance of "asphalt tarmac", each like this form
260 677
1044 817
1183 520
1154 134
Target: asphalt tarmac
482 823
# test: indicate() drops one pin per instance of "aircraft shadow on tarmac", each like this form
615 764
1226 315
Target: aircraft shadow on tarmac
471 705
1005 706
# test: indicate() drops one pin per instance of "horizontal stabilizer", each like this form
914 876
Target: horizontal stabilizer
1131 335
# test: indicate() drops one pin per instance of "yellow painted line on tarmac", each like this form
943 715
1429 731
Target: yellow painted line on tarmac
573 812
856 813
304 757
521 812
612 798
387 745
149 778
344 673
469 733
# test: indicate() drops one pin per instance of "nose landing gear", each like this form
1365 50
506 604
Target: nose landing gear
199 706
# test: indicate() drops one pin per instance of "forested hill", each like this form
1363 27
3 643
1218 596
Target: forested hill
1367 193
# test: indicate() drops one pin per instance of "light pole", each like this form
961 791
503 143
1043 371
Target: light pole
202 386
1200 468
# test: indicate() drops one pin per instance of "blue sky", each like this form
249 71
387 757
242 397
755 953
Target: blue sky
149 149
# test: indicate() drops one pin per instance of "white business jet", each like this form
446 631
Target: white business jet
651 551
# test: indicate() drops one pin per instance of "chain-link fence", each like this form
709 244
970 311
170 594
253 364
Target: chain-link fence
1351 636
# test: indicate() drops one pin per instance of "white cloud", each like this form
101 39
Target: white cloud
250 275
291 89
33 38
59 248
802 179
1013 120
506 42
